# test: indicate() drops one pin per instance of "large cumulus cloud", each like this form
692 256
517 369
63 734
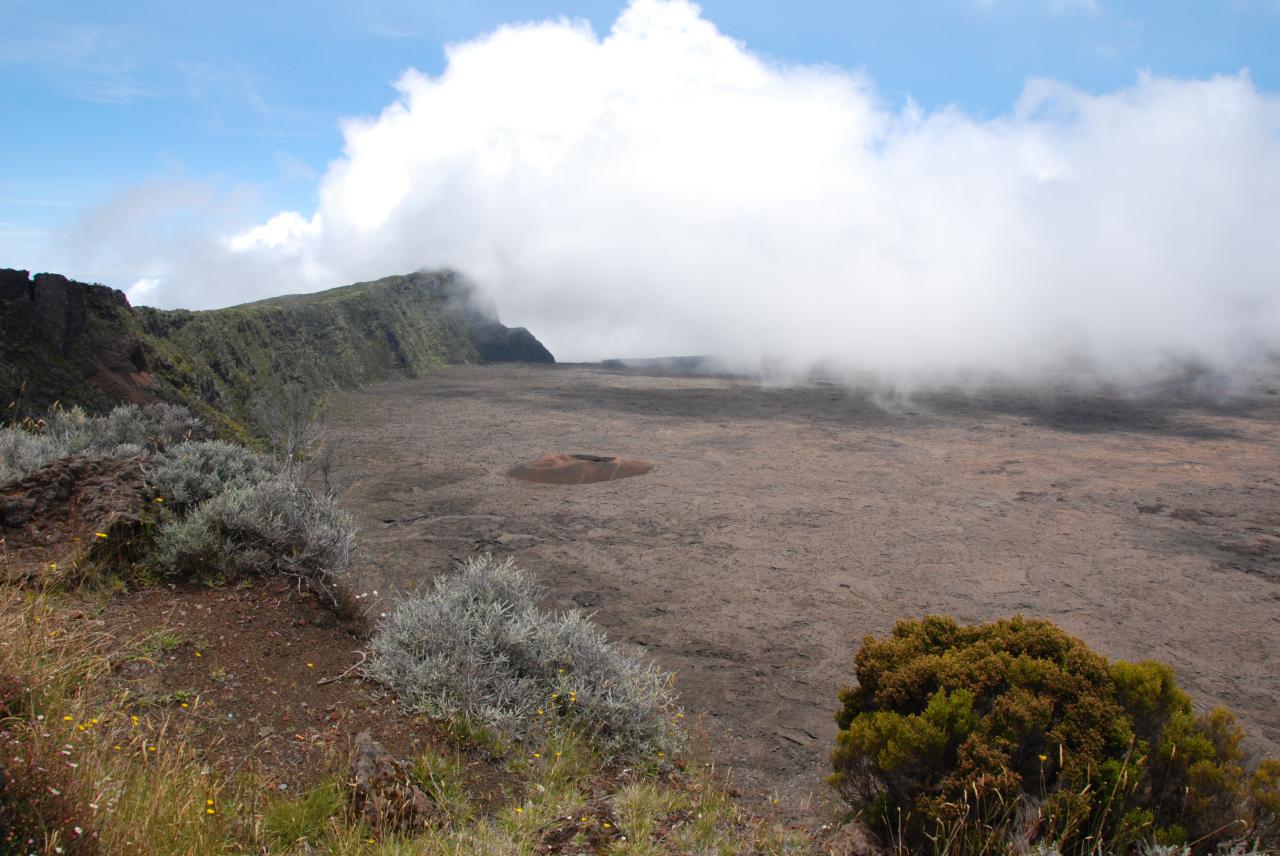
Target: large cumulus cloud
662 190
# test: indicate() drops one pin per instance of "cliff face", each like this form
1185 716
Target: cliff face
65 341
83 344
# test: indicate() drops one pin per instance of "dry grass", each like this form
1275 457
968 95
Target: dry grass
90 773
86 775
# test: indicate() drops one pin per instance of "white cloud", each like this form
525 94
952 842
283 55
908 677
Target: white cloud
662 190
140 289
284 231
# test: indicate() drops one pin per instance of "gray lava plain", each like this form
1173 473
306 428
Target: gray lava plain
782 524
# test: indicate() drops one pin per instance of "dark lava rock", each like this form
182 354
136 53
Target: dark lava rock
74 515
383 791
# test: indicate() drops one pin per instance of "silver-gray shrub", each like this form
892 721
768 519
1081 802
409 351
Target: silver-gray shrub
126 431
23 452
272 527
476 645
190 473
227 511
151 426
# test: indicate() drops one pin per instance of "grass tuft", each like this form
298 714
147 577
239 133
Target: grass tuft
307 819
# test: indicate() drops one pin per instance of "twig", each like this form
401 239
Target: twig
364 655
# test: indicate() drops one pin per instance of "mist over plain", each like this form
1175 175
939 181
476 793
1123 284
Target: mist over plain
662 190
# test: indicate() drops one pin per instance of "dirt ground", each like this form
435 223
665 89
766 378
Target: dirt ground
240 669
782 524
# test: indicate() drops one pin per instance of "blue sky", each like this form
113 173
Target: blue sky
99 98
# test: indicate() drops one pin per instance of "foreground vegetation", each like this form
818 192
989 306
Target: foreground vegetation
478 647
1007 738
92 771
89 766
975 739
211 510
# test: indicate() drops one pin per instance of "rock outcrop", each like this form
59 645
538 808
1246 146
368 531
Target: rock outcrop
62 340
72 515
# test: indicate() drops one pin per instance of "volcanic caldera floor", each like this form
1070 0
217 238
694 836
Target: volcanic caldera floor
782 524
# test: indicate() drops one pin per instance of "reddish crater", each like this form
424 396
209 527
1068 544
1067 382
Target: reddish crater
578 469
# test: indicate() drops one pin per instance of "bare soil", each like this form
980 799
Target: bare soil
782 524
248 674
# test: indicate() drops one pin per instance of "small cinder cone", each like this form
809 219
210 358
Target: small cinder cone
578 469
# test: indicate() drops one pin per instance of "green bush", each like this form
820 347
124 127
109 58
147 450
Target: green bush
477 646
983 735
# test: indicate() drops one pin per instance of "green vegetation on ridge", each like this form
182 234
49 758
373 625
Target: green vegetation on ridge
83 344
